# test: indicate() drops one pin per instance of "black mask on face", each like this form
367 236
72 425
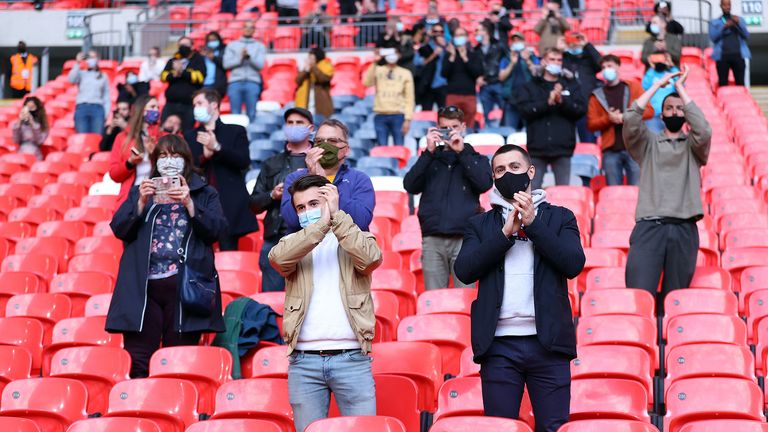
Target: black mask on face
184 50
510 183
660 67
673 123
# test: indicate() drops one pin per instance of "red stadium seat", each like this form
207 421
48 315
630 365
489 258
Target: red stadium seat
711 277
117 424
709 360
48 167
479 423
15 364
15 231
99 244
206 367
79 332
57 203
57 247
83 143
98 305
44 266
25 333
89 215
697 301
460 397
104 263
615 207
447 300
705 328
405 243
82 179
418 361
79 287
607 425
450 332
401 153
102 229
468 367
629 301
44 307
600 258
391 260
611 239
614 361
168 402
238 260
72 192
401 283
614 193
386 308
102 201
620 330
396 397
369 424
18 424
35 179
702 399
241 425
70 230
751 279
724 425
32 215
70 159
17 283
266 362
20 191
611 277
52 403
98 367
239 283
608 398
257 398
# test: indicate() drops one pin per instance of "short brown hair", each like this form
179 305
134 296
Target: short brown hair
610 58
305 182
332 122
551 50
210 94
450 112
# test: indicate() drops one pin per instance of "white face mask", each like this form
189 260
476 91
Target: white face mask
170 166
391 58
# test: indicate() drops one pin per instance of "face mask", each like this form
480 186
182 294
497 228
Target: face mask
518 46
554 69
296 133
201 114
92 63
170 166
151 117
214 44
660 67
575 51
330 157
309 217
432 21
391 58
184 50
479 38
460 40
610 74
655 29
399 26
673 123
510 183
131 79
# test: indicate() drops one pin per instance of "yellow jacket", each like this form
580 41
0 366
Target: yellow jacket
394 93
320 75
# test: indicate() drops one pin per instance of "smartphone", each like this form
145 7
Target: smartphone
162 185
445 134
135 151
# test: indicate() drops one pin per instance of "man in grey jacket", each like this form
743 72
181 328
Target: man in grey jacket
665 237
245 58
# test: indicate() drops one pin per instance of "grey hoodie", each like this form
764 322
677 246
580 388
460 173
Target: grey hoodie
245 69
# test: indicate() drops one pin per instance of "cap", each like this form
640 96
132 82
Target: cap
300 111
518 35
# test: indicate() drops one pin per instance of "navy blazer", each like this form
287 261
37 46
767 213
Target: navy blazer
558 256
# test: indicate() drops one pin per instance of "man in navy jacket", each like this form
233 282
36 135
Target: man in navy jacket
521 252
326 158
450 178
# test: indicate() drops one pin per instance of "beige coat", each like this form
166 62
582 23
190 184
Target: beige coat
359 256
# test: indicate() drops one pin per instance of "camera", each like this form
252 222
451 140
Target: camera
445 134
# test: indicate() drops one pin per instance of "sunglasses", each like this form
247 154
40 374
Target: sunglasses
450 109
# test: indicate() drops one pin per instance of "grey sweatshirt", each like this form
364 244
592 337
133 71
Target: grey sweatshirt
245 69
670 176
93 87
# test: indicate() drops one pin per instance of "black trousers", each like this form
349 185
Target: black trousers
655 247
512 362
18 94
737 65
184 111
228 242
434 96
159 326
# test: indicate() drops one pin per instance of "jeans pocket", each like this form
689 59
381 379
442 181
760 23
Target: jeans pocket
295 358
358 356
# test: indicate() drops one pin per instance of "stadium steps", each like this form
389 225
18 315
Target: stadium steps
761 97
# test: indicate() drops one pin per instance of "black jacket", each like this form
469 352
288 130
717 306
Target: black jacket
490 61
126 311
180 89
585 66
503 27
450 185
557 256
551 129
273 172
225 173
462 75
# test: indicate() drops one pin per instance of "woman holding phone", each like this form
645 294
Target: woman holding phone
162 244
129 162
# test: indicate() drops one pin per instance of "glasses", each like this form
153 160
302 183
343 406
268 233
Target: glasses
437 32
450 109
334 141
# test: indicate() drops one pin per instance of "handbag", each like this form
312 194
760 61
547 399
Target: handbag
198 291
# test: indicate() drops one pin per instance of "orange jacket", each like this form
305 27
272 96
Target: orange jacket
21 72
597 115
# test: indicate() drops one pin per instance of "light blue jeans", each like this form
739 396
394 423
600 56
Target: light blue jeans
312 377
244 93
89 118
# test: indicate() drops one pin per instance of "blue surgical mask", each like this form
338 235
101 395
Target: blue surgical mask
213 44
92 63
201 114
296 133
432 21
399 26
131 79
518 46
460 40
655 29
610 74
479 38
554 69
575 51
309 217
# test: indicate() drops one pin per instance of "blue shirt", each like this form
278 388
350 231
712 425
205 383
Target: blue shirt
438 80
651 76
210 72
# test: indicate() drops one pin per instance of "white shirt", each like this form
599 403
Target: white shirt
151 72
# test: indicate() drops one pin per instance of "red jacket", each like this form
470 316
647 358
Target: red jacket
118 171
597 115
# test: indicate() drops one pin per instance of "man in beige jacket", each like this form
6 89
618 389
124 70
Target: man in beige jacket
328 321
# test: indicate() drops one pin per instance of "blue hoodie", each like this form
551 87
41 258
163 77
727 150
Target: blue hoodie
651 76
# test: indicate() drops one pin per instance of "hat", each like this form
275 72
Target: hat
300 111
518 35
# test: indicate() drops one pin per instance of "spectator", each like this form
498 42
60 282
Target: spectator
356 196
522 252
119 123
396 37
185 74
583 59
213 52
288 12
551 26
221 151
551 103
152 68
665 237
316 25
661 65
664 9
129 162
433 18
497 25
394 100
22 71
450 178
268 191
431 88
147 306
515 72
370 22
462 66
228 6
93 98
172 125
660 40
132 89
490 54
314 85
245 58
31 129
347 8
513 6
605 115
729 35
327 267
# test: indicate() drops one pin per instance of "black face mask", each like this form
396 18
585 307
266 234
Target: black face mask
510 183
184 51
673 123
660 67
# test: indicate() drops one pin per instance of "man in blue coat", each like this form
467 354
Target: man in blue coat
521 252
729 36
326 158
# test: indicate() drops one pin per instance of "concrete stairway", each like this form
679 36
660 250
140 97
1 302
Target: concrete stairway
761 96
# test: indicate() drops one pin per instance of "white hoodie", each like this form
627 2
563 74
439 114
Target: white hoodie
518 316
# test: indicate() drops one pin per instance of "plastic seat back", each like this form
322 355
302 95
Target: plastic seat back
100 244
105 263
456 300
15 283
719 425
698 301
618 302
238 260
608 398
117 424
705 328
387 310
620 330
368 423
18 424
614 361
15 364
52 403
239 283
609 277
229 425
170 402
267 362
79 332
450 332
479 423
709 360
460 397
607 425
44 266
401 283
418 361
98 305
259 398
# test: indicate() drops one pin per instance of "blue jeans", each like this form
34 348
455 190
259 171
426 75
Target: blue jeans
244 92
618 163
382 3
312 377
270 278
585 135
389 124
490 96
89 118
